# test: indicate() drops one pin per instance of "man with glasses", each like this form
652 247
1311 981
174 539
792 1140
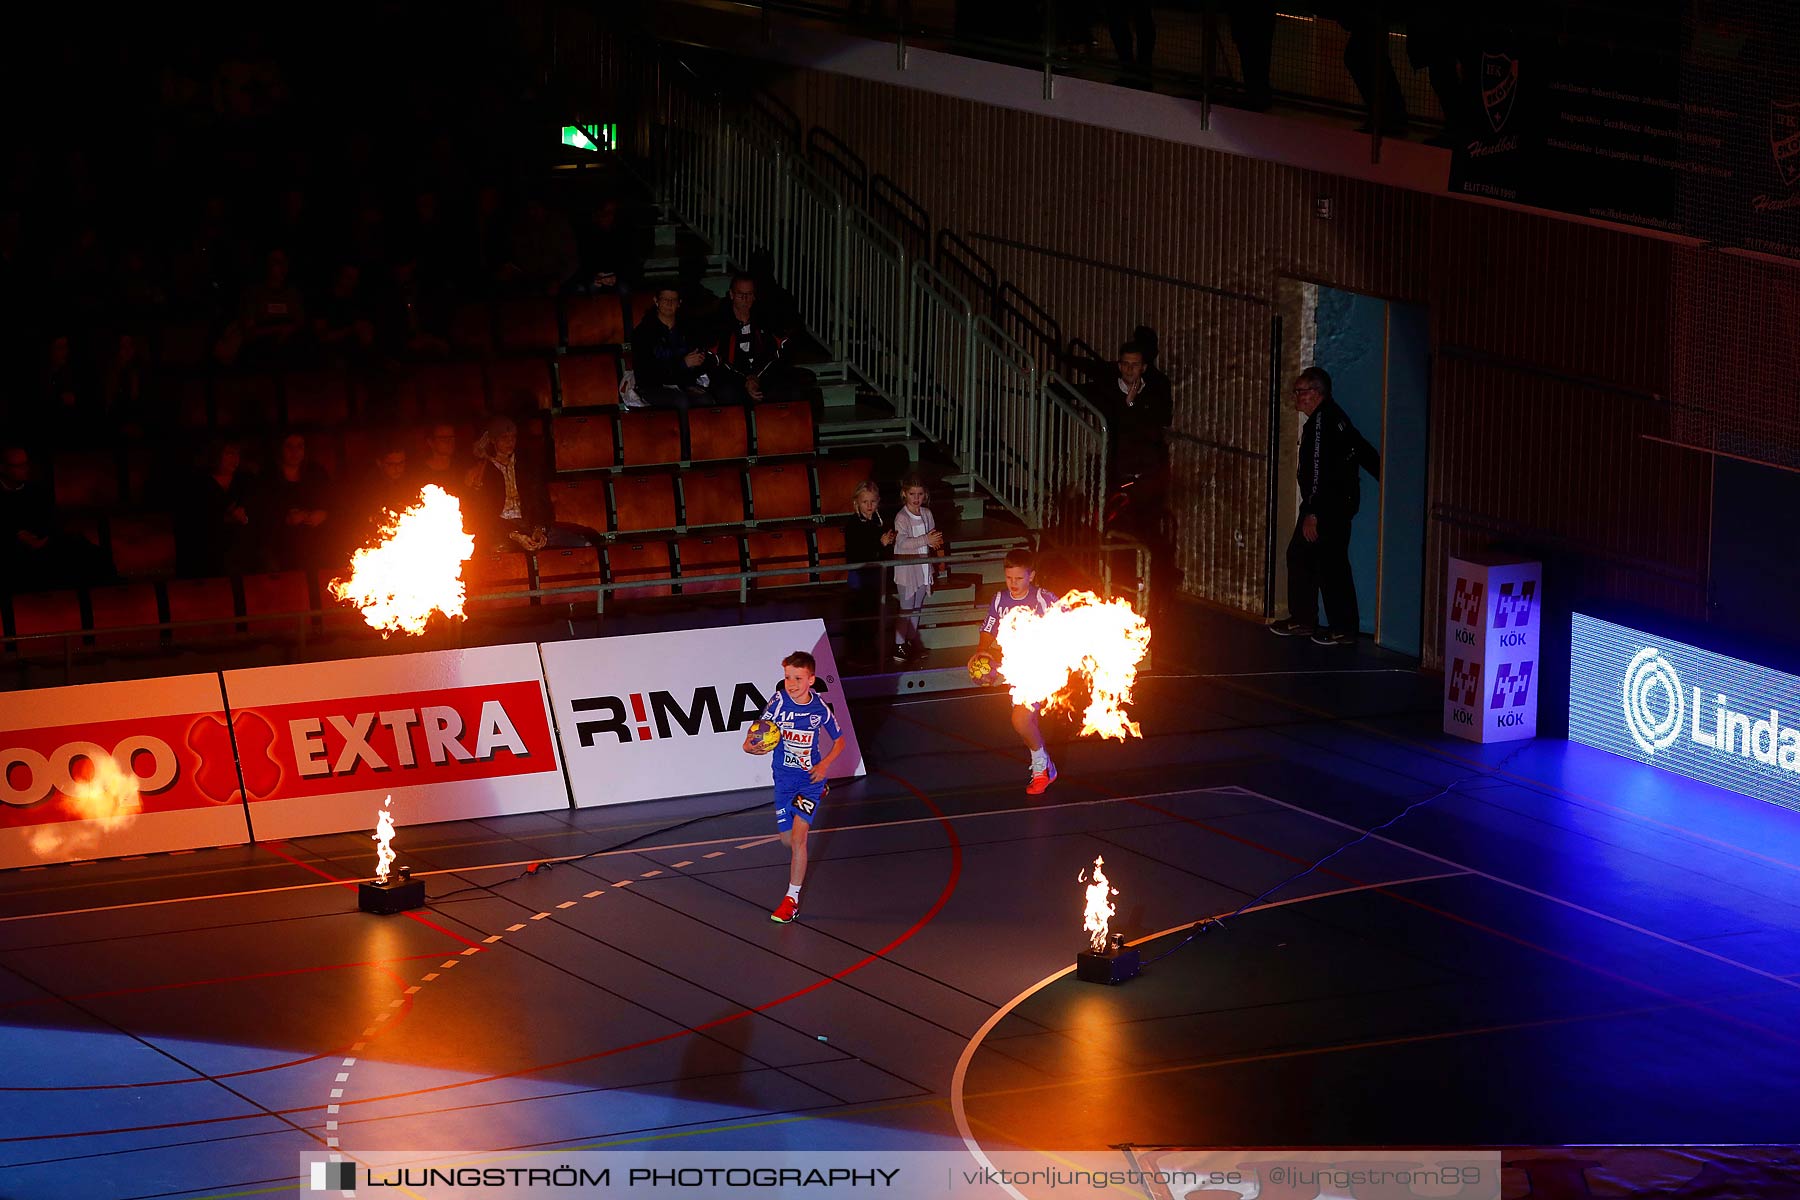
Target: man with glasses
1318 556
745 350
666 360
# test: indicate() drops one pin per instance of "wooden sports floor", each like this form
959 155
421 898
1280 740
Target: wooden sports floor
1557 947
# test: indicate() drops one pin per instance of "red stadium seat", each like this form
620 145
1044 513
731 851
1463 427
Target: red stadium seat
584 441
580 502
450 391
143 544
704 560
588 380
487 573
830 541
201 600
780 491
528 325
770 549
628 560
643 502
148 467
785 428
122 605
717 433
85 479
712 496
245 398
472 328
183 343
595 320
838 478
274 594
520 385
568 568
648 436
641 304
46 612
319 398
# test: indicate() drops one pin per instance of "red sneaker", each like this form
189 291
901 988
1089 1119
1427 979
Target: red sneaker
1040 783
789 909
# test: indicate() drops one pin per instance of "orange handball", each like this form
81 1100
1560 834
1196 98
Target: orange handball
763 737
982 667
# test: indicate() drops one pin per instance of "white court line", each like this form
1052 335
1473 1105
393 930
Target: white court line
550 862
957 1077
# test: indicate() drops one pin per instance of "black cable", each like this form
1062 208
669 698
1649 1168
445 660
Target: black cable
1204 923
540 868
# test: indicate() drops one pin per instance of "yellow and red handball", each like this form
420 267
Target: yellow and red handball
983 667
762 737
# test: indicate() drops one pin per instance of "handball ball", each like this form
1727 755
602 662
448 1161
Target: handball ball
981 666
764 736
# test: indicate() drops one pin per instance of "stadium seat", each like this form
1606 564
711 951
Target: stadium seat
712 496
46 612
580 502
149 468
568 568
643 502
85 479
648 436
183 343
785 428
361 447
780 491
274 594
770 549
201 600
486 573
642 302
520 385
190 400
588 380
627 561
450 391
121 605
528 325
319 398
472 328
584 441
704 560
595 320
830 541
245 399
838 478
717 433
143 544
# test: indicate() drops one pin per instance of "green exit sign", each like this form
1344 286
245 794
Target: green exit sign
591 137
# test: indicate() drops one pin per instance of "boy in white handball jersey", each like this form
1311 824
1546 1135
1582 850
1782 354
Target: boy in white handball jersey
800 788
1021 592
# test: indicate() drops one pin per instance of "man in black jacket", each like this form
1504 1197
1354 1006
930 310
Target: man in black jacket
665 356
1318 556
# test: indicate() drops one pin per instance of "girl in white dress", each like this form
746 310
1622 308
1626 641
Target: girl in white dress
916 536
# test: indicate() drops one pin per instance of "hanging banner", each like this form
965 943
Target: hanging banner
663 714
106 769
450 734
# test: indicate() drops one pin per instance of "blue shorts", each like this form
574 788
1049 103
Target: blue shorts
798 796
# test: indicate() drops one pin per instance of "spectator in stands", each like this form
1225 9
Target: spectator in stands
916 536
293 509
126 387
271 313
62 409
666 358
440 464
213 535
866 539
413 321
541 251
432 243
342 324
388 491
506 500
612 253
1140 409
745 355
34 553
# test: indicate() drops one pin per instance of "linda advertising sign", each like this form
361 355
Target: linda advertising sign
1706 716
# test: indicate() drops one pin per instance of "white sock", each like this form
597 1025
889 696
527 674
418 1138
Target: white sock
794 892
1038 759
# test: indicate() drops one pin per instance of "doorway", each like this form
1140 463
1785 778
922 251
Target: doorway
1378 354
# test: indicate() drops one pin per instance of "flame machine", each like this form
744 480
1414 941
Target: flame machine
1107 959
388 894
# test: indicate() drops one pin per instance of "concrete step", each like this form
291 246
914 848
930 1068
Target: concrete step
963 587
666 232
970 505
837 395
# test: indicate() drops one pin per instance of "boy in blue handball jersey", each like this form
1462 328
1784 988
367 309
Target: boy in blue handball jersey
1021 592
800 787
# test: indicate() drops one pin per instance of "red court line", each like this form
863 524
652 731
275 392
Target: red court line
350 883
943 898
